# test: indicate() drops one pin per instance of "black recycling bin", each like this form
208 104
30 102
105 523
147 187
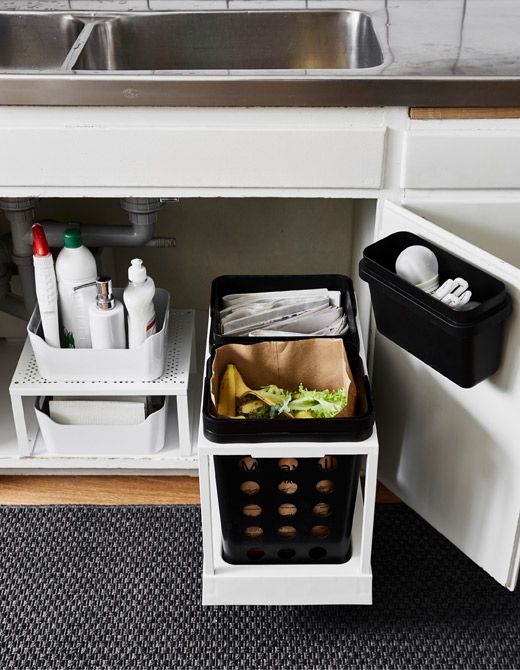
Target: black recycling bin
340 429
231 284
464 346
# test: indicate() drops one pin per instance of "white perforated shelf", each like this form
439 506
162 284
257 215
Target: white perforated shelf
27 380
28 383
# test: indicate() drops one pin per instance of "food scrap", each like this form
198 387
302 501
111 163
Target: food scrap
238 401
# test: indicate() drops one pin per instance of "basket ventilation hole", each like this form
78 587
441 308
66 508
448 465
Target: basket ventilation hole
287 532
253 532
288 464
286 553
255 554
320 531
250 488
328 463
317 552
287 509
322 509
325 486
288 487
248 464
251 510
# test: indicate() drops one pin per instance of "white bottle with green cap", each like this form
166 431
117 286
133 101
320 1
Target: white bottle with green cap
75 267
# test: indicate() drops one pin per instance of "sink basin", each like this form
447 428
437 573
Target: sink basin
36 41
233 41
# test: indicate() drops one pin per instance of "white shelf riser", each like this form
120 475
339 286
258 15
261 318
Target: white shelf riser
169 459
27 385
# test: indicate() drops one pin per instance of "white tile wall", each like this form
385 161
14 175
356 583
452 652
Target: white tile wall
165 5
267 4
40 5
109 5
480 46
368 5
155 5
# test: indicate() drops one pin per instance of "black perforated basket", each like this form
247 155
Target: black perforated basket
287 510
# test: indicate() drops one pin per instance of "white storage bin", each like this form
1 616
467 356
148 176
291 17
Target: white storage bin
145 363
140 439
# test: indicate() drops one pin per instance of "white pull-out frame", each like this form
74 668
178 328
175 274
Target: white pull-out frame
329 584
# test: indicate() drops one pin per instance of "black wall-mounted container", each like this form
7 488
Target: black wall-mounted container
463 346
290 510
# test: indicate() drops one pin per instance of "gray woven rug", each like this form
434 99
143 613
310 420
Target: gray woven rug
119 587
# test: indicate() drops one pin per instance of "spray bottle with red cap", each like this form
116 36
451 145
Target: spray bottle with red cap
46 288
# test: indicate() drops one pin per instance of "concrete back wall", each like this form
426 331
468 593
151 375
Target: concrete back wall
222 236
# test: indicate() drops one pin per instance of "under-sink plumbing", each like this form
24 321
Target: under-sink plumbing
19 212
139 232
9 302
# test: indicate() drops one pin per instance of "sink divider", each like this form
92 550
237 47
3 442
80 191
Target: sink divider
77 48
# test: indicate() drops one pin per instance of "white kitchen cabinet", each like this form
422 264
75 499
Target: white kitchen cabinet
449 452
182 152
456 154
440 158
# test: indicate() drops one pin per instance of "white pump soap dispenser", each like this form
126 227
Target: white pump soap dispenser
106 318
138 298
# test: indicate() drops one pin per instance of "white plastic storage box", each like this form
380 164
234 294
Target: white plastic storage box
140 439
145 363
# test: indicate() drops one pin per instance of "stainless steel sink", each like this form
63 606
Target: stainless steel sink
36 41
302 58
203 41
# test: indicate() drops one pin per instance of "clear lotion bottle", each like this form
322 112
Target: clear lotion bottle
107 318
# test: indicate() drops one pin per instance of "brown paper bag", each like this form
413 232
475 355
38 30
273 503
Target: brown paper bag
316 363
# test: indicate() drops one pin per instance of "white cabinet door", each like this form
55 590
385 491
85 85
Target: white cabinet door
453 454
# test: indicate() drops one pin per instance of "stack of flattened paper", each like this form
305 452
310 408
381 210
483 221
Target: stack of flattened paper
304 313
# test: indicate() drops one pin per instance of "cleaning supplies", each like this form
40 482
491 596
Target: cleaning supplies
76 273
46 289
106 318
138 298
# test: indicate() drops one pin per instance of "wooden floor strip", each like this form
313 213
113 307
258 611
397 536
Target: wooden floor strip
110 490
98 490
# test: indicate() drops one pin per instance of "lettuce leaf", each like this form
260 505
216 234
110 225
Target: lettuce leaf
321 404
277 398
